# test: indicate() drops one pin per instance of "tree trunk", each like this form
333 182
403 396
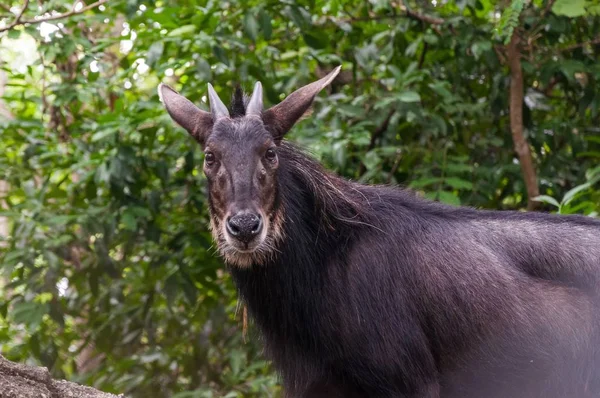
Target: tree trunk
516 121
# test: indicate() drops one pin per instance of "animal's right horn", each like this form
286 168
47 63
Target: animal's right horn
255 106
280 118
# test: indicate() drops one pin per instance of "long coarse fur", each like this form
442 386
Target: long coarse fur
375 292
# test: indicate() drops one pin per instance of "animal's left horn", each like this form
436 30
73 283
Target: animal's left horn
217 107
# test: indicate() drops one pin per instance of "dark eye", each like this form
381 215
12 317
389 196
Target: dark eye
209 158
270 154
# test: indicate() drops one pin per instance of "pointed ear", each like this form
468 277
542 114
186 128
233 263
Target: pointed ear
280 118
196 121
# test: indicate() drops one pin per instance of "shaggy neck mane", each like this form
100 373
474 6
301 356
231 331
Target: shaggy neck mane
306 188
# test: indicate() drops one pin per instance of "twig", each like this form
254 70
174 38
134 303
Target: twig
553 52
500 53
548 8
548 90
578 45
422 57
395 165
375 135
18 20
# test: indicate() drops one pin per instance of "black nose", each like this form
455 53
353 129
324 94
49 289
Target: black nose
244 226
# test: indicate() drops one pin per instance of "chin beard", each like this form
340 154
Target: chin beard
263 252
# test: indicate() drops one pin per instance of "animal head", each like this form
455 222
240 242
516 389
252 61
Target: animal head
240 163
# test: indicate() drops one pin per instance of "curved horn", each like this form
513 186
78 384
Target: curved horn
196 121
280 118
255 106
217 107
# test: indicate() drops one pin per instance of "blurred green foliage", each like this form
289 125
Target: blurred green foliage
108 275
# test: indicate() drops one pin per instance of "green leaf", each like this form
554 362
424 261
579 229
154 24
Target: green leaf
593 174
457 183
298 15
251 26
365 55
155 52
569 8
29 313
409 96
573 193
371 160
441 88
129 220
449 198
315 41
203 69
139 211
570 67
265 24
339 152
431 38
102 134
220 54
182 30
593 9
411 49
424 182
14 33
60 220
13 256
480 47
236 357
547 199
360 138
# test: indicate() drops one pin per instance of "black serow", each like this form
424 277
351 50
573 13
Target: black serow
370 291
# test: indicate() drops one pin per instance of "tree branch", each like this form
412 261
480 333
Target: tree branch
406 13
579 45
516 121
18 20
421 17
433 21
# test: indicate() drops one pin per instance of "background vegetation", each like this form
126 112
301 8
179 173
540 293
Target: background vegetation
107 272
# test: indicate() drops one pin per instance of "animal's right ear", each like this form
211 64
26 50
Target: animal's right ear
196 121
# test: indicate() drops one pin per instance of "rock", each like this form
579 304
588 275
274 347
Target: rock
23 381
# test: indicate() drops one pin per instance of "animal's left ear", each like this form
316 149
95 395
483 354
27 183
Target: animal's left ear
280 118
